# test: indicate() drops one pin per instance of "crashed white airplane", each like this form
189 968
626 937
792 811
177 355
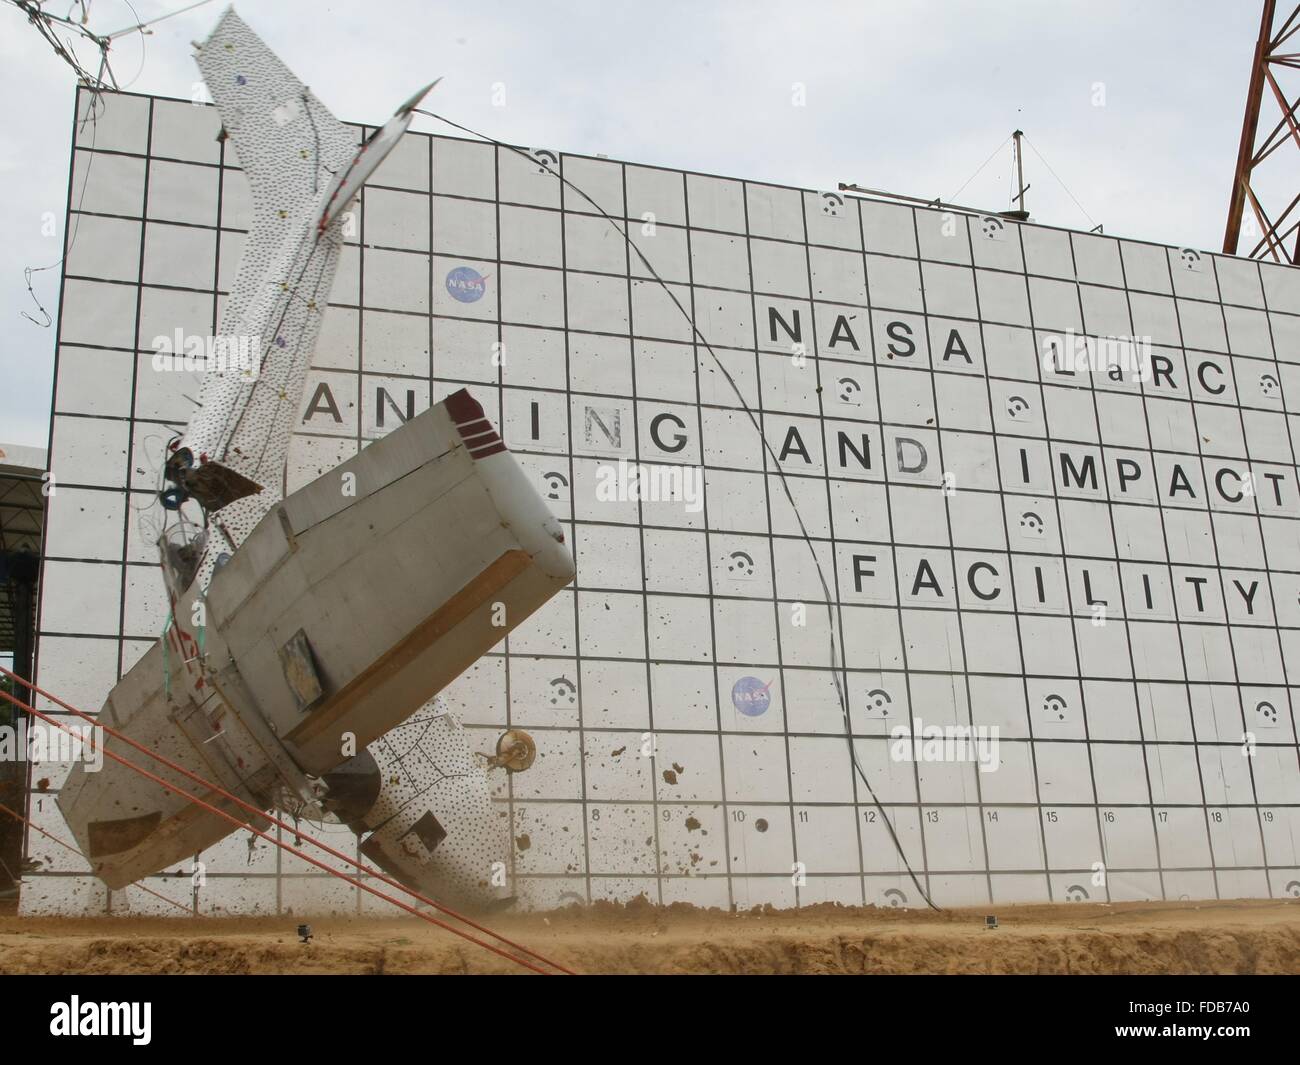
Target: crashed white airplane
304 628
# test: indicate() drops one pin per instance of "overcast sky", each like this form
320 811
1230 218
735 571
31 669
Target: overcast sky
1137 107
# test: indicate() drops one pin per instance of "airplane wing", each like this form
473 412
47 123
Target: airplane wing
288 143
293 153
304 168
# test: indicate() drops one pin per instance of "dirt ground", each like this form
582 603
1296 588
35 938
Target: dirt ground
1183 937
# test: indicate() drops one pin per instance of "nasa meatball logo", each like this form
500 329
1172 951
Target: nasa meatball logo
751 696
466 284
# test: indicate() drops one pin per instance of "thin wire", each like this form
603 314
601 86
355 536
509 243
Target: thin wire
836 667
109 43
272 819
257 812
44 22
152 21
270 839
953 197
93 112
1063 185
69 847
315 133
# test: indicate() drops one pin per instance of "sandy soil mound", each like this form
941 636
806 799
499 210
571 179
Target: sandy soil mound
1184 938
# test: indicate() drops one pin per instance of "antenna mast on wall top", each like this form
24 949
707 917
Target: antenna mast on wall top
1020 214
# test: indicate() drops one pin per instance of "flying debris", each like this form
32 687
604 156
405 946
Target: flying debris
309 634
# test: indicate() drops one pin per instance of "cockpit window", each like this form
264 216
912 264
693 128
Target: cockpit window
181 546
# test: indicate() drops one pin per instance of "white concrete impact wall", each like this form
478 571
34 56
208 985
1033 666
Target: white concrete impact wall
1050 478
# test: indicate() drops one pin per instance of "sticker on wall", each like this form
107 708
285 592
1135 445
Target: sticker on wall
895 898
740 566
832 205
1019 408
556 485
1269 386
1191 259
751 696
563 692
1055 708
878 703
1265 714
993 227
847 390
466 285
1032 526
1076 893
547 161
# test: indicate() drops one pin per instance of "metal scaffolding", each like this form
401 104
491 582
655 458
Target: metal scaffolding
1274 231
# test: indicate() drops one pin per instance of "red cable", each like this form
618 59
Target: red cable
284 846
68 846
298 834
270 839
294 830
